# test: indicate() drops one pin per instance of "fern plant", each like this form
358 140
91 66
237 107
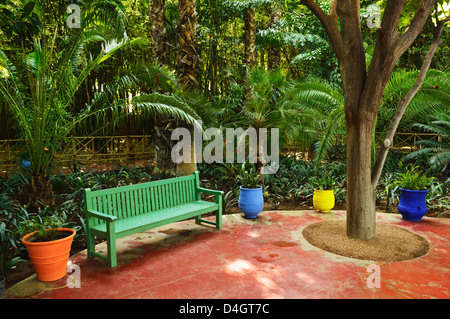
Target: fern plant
413 180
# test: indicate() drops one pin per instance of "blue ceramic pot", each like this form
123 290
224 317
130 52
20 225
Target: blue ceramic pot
251 201
412 204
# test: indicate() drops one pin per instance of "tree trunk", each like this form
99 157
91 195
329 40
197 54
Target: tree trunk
364 91
161 140
158 31
38 193
190 167
187 62
249 37
162 126
274 51
360 193
187 58
214 51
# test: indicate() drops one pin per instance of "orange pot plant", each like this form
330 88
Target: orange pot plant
48 245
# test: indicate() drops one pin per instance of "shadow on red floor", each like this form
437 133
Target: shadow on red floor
250 259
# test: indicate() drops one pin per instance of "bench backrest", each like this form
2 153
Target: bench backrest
132 200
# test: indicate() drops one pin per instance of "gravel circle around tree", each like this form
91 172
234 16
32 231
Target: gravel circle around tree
391 243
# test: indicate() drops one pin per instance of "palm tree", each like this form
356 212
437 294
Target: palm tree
55 71
187 57
432 98
274 50
273 101
250 37
39 101
158 31
323 108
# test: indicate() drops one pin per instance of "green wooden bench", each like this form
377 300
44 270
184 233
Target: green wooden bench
121 211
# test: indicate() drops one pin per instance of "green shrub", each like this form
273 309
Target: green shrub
248 176
326 182
414 180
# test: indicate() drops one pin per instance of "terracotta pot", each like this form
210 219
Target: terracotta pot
50 258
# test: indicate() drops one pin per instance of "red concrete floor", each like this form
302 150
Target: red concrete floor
266 258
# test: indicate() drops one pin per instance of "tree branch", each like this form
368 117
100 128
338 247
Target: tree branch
329 22
389 25
333 13
384 149
390 46
416 25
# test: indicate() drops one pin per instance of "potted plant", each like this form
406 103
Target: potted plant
7 258
323 198
48 245
251 199
413 193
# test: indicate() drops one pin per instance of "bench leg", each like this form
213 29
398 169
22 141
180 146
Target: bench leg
111 243
219 218
217 223
90 244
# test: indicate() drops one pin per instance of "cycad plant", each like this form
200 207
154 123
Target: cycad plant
321 117
432 99
40 86
438 149
272 101
39 96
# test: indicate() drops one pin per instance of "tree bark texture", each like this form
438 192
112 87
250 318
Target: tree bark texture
364 91
360 193
158 31
187 57
38 193
250 37
274 51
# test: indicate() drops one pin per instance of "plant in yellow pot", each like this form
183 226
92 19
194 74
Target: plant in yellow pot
323 198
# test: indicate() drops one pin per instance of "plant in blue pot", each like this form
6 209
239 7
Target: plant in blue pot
251 199
413 193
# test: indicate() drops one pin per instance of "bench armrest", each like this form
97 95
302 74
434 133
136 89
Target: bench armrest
105 217
209 191
217 193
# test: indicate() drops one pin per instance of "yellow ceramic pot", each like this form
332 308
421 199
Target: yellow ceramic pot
323 200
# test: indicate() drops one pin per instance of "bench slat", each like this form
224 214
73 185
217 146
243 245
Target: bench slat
141 185
96 207
130 224
178 193
187 192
